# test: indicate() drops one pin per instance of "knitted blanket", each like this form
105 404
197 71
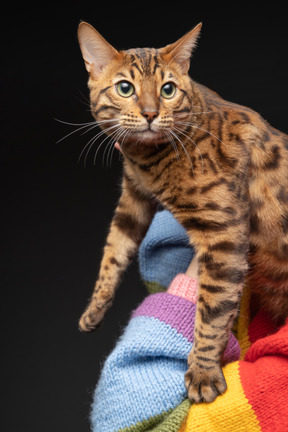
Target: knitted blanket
141 387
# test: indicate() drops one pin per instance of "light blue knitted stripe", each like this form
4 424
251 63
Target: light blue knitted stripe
142 377
165 250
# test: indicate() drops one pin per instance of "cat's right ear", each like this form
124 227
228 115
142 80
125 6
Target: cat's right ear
96 51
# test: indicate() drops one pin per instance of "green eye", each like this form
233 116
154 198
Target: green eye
168 90
125 89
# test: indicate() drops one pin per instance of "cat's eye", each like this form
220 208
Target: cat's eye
125 88
168 90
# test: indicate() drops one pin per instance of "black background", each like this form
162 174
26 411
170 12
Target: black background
56 211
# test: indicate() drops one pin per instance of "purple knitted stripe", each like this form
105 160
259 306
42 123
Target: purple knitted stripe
173 310
179 313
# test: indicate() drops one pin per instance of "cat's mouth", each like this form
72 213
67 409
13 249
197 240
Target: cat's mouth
148 135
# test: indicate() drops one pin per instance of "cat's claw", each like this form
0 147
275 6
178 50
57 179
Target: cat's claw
204 385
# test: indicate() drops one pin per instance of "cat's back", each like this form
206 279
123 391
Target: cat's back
245 128
265 149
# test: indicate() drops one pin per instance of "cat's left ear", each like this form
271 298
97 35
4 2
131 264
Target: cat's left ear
180 51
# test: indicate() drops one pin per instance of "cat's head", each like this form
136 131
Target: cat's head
140 95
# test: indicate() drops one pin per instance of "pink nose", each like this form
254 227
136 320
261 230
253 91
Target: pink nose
150 115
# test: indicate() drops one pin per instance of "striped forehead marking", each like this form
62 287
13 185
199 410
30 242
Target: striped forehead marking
145 60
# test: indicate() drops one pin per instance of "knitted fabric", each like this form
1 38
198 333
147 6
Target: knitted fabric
164 252
141 387
143 378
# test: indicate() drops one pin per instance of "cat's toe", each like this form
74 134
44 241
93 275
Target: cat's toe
93 317
89 322
204 385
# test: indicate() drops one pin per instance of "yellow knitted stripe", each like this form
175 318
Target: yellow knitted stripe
243 322
230 412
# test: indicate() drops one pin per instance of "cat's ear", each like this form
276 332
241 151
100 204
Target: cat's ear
96 51
180 51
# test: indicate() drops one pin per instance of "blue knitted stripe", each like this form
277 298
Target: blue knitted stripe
143 377
165 250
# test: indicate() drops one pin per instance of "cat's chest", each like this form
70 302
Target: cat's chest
159 180
147 178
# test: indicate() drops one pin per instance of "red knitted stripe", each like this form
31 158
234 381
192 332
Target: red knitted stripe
260 327
264 377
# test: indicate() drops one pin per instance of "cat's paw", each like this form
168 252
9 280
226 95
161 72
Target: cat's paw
204 385
93 317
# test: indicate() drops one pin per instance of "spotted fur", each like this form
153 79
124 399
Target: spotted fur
217 166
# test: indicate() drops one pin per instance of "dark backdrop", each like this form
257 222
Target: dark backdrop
56 211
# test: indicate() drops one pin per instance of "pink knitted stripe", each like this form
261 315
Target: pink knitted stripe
185 287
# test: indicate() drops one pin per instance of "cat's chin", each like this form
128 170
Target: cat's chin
147 137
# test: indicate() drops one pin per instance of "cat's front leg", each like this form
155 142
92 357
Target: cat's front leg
132 218
223 266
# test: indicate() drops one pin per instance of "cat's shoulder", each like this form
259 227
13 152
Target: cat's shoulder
232 113
218 103
242 120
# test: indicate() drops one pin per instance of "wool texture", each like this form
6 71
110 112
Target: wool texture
164 252
141 386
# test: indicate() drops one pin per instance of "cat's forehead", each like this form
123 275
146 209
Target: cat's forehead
142 52
146 60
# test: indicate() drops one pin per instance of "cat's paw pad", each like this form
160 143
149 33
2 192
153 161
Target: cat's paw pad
204 385
93 317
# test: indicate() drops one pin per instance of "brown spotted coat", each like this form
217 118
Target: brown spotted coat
221 170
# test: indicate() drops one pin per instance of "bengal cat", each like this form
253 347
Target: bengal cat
217 166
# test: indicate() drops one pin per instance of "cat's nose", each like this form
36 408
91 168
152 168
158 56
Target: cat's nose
150 115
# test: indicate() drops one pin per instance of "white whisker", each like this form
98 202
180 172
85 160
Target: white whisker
191 113
123 138
183 147
74 124
173 142
85 125
85 102
195 145
210 133
110 145
91 142
87 99
97 124
107 137
183 123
